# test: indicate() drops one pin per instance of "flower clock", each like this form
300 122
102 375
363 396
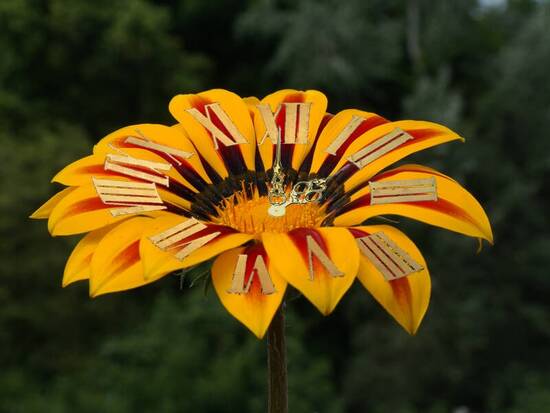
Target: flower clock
275 191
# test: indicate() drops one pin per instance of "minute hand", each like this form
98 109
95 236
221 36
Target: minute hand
277 195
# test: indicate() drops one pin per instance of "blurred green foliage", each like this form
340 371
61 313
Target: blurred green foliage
72 71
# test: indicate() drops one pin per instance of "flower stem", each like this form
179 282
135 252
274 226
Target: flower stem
277 401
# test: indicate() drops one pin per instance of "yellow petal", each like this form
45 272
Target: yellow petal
78 265
251 101
405 298
158 263
323 157
331 273
295 153
46 209
424 134
186 158
82 211
455 208
80 172
253 308
226 158
116 264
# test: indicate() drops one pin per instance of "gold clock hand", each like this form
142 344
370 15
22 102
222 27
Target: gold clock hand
277 195
302 192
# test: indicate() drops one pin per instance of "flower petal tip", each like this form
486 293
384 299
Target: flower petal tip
259 334
411 326
36 215
68 280
96 292
326 311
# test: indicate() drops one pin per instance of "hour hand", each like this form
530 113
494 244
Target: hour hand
303 192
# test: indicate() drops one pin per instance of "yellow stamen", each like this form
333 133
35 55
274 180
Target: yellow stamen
248 214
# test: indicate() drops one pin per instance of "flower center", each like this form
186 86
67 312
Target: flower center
248 214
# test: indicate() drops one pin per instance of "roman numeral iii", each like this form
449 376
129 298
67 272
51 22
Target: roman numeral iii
410 190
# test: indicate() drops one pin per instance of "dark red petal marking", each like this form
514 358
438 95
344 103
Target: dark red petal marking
358 233
297 97
401 289
199 103
126 258
95 169
85 205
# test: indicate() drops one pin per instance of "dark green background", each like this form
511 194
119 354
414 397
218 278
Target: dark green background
73 71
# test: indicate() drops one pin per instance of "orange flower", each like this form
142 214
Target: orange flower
276 189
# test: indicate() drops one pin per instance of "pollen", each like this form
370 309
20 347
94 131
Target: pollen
248 214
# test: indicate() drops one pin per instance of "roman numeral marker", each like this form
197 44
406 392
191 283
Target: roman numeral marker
296 122
387 257
239 274
379 147
410 190
314 249
235 136
135 196
130 166
178 237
